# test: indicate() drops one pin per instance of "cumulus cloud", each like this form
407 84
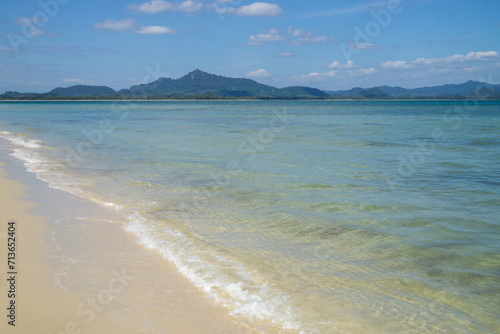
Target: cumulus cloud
337 64
314 77
417 72
395 64
334 64
366 46
73 80
259 9
156 30
483 56
292 35
261 73
354 75
364 71
32 29
132 26
254 9
305 37
457 59
451 62
272 35
158 6
121 25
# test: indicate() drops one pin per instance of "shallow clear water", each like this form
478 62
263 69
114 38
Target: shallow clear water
319 216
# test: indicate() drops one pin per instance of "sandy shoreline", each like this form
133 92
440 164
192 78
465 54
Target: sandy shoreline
79 271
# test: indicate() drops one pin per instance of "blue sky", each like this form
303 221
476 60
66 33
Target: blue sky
327 44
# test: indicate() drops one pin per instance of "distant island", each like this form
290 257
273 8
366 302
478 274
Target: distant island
206 86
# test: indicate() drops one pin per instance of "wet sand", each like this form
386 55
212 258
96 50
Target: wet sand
79 271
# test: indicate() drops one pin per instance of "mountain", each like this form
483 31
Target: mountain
202 85
199 83
361 93
81 91
450 90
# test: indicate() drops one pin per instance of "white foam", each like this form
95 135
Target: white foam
48 171
223 280
20 140
25 149
235 289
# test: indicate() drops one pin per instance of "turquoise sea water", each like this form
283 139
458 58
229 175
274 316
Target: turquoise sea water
318 216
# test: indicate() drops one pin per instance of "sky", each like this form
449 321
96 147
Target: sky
326 44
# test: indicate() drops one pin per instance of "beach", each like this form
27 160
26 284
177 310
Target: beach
247 217
78 271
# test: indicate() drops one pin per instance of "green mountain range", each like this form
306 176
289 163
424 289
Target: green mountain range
469 89
202 85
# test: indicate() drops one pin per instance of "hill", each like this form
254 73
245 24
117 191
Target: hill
201 85
466 89
81 91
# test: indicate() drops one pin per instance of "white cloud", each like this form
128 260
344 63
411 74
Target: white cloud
294 36
419 72
336 64
189 6
261 73
444 64
349 64
394 64
423 61
265 37
158 6
459 59
305 37
364 71
259 9
454 59
122 25
487 55
366 46
285 54
254 9
309 40
152 7
315 77
131 25
32 29
156 30
73 80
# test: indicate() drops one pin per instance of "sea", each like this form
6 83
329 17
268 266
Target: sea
315 216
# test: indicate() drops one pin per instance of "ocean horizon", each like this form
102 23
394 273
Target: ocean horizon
315 216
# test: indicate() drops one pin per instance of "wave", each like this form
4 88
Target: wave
224 280
20 140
